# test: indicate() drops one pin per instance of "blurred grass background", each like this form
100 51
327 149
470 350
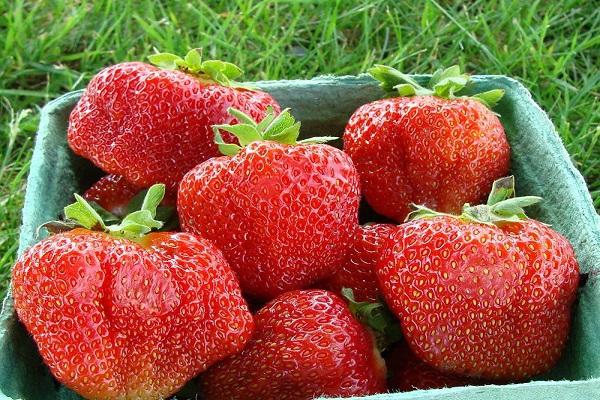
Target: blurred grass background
51 47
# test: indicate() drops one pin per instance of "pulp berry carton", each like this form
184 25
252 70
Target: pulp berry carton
539 162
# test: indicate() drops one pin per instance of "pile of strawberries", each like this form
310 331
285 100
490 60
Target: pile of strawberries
270 288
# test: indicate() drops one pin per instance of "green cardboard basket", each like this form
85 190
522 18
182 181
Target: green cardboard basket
539 162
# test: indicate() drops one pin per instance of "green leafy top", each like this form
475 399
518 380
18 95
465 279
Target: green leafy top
444 83
282 128
378 317
501 206
133 226
217 71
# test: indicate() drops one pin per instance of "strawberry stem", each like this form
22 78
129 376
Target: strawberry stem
444 83
217 71
138 223
378 317
281 128
501 206
133 226
84 214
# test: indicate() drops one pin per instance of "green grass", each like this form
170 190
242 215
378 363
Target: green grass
51 47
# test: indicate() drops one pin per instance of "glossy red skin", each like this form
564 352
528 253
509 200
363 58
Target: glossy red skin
113 193
114 319
426 150
306 344
478 300
284 216
406 373
358 270
151 125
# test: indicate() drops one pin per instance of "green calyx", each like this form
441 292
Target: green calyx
501 206
378 317
217 71
133 226
281 128
444 83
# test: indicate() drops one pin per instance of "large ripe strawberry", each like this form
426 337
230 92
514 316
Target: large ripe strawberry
307 344
282 211
120 313
358 270
406 373
487 293
427 146
152 125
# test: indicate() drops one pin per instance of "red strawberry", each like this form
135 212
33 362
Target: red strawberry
428 146
152 125
485 294
129 316
283 212
358 271
306 344
406 372
114 193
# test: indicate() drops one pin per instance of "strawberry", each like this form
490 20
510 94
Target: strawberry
282 211
358 270
427 146
406 373
307 344
121 313
484 294
114 193
152 125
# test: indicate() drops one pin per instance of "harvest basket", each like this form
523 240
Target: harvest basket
539 162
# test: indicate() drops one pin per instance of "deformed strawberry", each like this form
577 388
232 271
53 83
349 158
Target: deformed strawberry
485 294
120 312
427 146
282 211
152 125
307 344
